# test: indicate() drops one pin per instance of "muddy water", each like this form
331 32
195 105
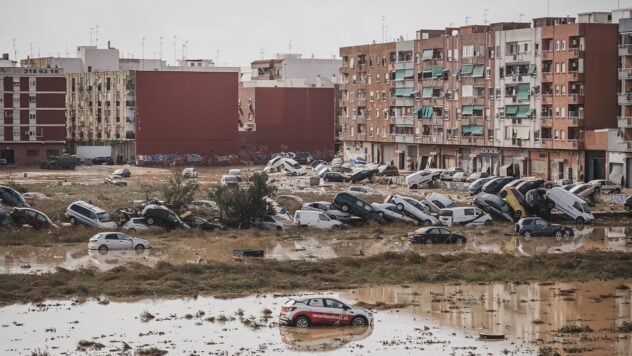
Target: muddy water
36 259
437 319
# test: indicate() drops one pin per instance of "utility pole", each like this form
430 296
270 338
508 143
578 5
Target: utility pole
31 50
142 53
175 60
289 45
485 12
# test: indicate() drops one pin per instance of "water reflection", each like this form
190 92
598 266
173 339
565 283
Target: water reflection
321 339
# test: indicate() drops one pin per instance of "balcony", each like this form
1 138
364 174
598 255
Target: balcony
547 76
625 73
625 50
403 138
402 101
624 122
404 65
575 52
576 76
575 98
406 83
576 143
576 120
438 138
547 54
547 120
361 136
625 98
547 98
405 121
546 142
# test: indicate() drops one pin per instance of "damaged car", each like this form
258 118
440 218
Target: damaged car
31 217
494 205
437 201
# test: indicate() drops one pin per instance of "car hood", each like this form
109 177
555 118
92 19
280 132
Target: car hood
142 241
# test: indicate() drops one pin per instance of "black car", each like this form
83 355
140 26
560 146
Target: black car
628 203
162 216
196 222
335 177
123 172
388 171
354 206
528 185
435 235
103 160
494 206
538 203
363 174
540 227
495 185
11 197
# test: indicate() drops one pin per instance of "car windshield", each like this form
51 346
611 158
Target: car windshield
104 217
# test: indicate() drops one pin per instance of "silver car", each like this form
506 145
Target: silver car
105 241
606 186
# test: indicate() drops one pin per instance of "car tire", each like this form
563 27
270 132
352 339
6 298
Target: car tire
566 233
73 220
526 234
400 206
139 248
427 223
487 222
278 228
103 249
359 322
150 221
302 322
427 241
381 214
580 220
414 186
558 234
518 214
550 205
345 208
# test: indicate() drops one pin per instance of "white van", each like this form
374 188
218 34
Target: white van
468 216
228 179
319 220
417 179
570 204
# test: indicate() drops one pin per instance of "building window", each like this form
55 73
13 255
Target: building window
562 135
563 89
557 134
563 67
32 153
490 134
557 112
52 153
488 73
31 98
526 48
563 47
557 67
377 77
557 45
557 90
32 116
536 135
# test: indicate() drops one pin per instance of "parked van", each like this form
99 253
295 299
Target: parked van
319 220
468 216
570 204
418 179
84 213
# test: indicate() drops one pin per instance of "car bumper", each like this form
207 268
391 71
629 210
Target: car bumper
284 320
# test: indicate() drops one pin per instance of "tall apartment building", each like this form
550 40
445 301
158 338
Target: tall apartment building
504 97
33 114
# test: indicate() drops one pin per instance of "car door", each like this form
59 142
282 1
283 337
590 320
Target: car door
125 242
111 241
540 228
444 236
315 311
336 313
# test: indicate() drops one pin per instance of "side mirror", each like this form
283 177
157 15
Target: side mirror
346 307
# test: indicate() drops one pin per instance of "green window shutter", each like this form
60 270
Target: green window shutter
427 93
523 111
467 110
522 92
511 110
478 71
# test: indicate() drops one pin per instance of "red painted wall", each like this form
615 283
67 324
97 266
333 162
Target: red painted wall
186 112
292 119
51 117
50 100
50 84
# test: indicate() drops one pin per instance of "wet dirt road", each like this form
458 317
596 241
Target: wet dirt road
436 319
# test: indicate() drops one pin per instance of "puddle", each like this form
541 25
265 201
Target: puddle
437 319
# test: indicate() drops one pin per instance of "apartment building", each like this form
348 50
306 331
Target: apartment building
291 69
507 97
33 114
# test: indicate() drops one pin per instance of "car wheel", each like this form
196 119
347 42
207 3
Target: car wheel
550 205
103 249
359 322
345 208
503 194
427 222
558 234
580 220
400 206
139 248
73 221
302 322
518 214
381 214
526 234
414 186
460 240
566 233
150 221
487 222
427 241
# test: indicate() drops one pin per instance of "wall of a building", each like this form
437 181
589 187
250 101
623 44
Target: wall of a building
186 113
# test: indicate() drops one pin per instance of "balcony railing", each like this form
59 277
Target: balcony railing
576 120
625 98
547 98
438 138
361 136
625 73
624 122
407 121
576 143
625 50
575 98
403 138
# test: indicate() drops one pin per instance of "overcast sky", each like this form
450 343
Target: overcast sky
241 29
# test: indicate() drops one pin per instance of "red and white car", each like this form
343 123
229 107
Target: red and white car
323 311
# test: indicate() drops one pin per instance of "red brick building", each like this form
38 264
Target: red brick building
33 122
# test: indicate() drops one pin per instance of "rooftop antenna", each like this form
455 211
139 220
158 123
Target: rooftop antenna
161 43
548 8
142 53
96 36
520 16
485 12
383 28
290 47
31 50
467 19
15 51
263 49
174 50
217 57
184 50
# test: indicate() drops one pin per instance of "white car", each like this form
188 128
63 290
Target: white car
303 313
105 241
584 191
418 179
570 204
438 201
115 180
203 206
328 209
413 208
136 224
390 212
228 179
362 190
459 177
606 186
316 219
189 172
468 216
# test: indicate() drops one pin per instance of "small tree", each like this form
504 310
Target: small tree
243 206
179 191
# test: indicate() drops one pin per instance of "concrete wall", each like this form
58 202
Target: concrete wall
314 71
98 59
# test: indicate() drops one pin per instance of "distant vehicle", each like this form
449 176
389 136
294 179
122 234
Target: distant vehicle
606 186
419 179
448 174
292 168
438 201
568 187
105 241
435 235
362 190
413 208
349 203
585 191
136 224
515 200
115 180
271 222
229 180
495 185
196 222
468 216
5 218
476 176
123 172
274 165
539 227
11 197
528 185
32 217
387 170
316 162
203 206
162 216
235 172
514 183
31 196
103 161
459 177
59 162
322 170
573 206
494 205
363 174
189 172
357 160
334 177
538 203
328 209
557 183
303 313
315 219
476 186
390 212
84 213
